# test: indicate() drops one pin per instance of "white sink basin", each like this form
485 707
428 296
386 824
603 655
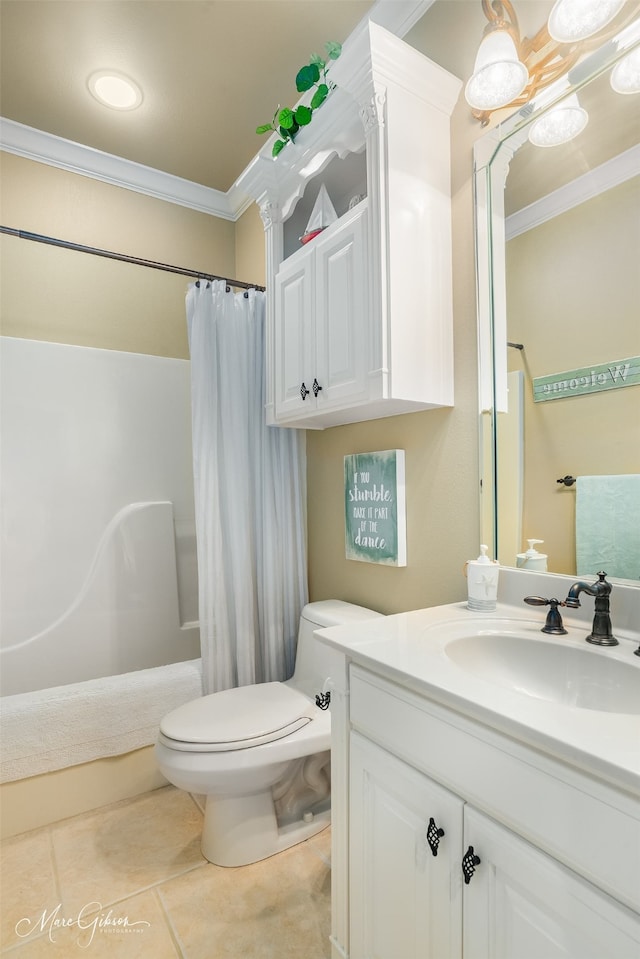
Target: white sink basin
548 670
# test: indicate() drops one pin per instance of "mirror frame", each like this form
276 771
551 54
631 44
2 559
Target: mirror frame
492 156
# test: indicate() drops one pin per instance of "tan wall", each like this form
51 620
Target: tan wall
441 449
573 294
68 297
250 253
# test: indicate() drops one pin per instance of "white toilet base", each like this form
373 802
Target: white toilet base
239 830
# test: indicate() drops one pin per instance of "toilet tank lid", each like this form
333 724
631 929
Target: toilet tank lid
336 612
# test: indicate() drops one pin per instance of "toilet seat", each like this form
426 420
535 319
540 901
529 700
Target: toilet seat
238 718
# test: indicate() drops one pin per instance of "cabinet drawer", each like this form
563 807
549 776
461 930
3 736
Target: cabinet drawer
589 826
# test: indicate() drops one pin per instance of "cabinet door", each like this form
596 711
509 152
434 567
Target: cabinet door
342 313
522 904
294 332
405 902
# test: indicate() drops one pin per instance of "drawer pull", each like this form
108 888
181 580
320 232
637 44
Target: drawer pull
304 392
434 835
316 388
469 863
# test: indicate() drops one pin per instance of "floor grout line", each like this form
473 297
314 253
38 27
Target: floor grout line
175 938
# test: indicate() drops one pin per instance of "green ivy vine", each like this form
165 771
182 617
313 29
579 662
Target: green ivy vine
286 122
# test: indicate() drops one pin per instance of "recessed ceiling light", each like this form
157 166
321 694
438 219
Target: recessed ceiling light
115 90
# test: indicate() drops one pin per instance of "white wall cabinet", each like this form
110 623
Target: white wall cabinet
554 877
320 338
365 308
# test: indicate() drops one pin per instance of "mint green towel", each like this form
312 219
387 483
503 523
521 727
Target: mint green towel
608 525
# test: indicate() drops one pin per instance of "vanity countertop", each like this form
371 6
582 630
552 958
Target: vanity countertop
410 649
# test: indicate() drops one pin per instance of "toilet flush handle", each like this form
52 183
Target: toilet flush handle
323 700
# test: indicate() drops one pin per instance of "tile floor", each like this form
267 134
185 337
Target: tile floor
129 881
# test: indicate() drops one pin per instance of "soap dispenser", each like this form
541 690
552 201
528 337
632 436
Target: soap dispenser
532 559
482 581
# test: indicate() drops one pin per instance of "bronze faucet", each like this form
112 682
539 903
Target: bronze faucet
600 634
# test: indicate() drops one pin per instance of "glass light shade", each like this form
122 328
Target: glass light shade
625 76
498 76
559 125
115 90
573 20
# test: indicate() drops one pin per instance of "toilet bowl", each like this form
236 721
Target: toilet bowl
260 754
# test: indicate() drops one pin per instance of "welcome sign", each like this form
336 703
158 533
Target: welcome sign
589 379
374 507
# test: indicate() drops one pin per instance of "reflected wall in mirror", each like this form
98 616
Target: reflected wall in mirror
558 260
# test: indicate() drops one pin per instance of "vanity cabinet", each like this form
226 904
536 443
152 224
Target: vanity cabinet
405 900
523 904
364 309
434 878
532 860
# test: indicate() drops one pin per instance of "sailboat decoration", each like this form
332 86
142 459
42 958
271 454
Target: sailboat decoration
322 216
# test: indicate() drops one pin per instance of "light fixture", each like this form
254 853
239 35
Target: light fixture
562 123
625 76
498 75
115 90
573 20
505 58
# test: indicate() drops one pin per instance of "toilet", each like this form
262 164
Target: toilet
260 754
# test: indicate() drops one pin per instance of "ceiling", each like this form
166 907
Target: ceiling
211 71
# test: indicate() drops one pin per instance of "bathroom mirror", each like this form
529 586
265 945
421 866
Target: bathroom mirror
557 239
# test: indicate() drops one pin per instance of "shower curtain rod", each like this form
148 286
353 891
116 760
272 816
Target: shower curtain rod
125 258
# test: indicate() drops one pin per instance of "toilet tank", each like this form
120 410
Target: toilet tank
311 667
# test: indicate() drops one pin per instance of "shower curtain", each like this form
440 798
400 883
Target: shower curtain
249 482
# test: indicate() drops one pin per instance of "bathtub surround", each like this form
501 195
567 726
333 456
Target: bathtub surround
249 497
86 434
124 617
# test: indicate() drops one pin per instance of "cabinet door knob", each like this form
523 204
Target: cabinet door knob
434 835
304 392
469 863
316 388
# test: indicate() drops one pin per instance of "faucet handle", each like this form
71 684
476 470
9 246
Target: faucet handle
553 624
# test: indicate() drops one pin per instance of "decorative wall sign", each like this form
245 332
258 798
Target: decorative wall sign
374 507
590 379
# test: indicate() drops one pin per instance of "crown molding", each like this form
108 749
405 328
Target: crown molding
396 16
583 188
55 151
